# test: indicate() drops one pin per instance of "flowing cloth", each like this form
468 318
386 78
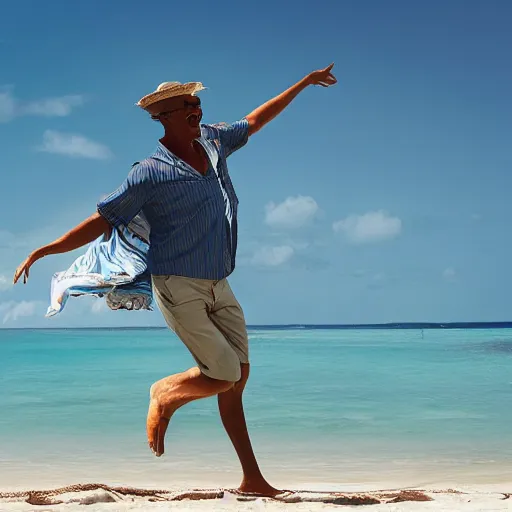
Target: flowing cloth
113 267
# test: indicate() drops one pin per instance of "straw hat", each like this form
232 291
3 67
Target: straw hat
168 90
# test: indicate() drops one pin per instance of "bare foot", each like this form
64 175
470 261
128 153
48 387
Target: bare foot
167 395
259 488
161 408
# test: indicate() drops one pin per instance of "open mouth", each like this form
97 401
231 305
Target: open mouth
193 120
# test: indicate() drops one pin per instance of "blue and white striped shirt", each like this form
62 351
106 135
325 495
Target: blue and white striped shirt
192 218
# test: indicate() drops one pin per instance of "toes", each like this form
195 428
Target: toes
152 439
152 425
156 424
163 423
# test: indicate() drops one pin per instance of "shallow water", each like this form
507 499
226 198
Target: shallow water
340 406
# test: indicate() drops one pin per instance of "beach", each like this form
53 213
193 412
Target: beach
122 499
370 412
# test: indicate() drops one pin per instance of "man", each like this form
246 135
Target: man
185 193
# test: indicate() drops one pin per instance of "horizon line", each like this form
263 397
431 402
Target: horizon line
388 325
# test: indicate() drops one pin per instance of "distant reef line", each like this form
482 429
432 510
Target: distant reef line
271 327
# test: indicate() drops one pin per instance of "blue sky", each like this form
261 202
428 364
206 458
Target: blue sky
384 198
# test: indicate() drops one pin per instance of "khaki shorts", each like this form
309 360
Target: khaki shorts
208 319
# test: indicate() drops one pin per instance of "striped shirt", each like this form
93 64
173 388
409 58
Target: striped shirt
192 218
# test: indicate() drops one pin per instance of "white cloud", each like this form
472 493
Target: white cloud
13 310
73 145
52 107
273 256
293 212
5 284
449 274
369 227
11 107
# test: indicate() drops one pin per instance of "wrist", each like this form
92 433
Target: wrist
39 253
307 80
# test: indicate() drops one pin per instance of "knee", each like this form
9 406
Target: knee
225 374
245 369
228 372
239 385
225 385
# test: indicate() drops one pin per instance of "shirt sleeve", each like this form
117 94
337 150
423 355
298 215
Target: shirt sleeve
233 136
122 205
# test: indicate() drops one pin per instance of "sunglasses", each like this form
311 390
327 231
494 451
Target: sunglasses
186 104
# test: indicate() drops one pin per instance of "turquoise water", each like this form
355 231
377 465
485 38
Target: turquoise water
340 406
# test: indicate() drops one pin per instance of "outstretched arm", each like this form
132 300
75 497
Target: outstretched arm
262 115
85 232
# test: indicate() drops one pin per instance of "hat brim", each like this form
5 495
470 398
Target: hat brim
190 88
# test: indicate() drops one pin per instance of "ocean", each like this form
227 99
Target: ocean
404 407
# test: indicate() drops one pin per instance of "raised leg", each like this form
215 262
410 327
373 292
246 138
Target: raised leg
233 418
169 394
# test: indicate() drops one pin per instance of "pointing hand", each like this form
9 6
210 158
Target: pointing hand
323 77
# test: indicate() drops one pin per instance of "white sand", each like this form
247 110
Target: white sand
488 498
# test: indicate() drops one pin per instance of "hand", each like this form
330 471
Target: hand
24 269
322 77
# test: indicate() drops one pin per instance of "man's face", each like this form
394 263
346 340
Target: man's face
182 113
